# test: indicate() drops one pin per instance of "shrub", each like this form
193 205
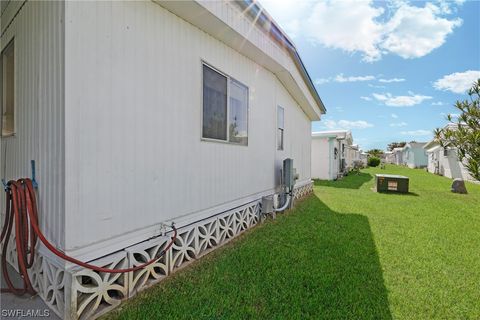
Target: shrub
373 162
464 132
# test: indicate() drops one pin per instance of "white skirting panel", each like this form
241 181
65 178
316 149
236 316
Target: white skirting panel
79 293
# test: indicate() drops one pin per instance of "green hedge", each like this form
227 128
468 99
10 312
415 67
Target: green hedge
373 162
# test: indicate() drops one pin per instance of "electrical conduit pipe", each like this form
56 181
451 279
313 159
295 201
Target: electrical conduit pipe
285 205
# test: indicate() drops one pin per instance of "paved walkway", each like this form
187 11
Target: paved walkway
14 307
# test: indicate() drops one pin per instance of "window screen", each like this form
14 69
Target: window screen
238 124
225 108
214 104
280 126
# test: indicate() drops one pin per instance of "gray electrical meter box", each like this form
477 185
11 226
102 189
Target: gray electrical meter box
267 205
288 173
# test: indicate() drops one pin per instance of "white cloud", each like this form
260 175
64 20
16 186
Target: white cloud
400 101
366 98
375 86
394 116
320 81
458 82
403 29
341 78
414 32
438 103
453 115
348 25
293 28
391 80
416 133
398 124
289 13
446 6
346 124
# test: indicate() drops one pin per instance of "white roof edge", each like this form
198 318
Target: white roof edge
332 132
434 148
416 144
431 144
202 15
286 41
342 134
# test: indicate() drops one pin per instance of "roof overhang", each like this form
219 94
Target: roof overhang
339 135
433 148
198 14
431 144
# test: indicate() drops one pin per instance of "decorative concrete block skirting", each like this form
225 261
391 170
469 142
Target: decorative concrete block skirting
79 293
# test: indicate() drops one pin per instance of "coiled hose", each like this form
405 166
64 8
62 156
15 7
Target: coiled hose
21 206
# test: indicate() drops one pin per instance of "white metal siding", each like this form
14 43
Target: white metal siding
297 136
322 159
450 167
134 155
38 32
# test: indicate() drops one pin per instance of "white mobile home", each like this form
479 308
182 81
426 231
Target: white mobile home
353 154
139 114
398 156
443 160
414 156
364 158
390 157
329 154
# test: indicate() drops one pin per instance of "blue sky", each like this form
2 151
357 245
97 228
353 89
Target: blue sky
387 70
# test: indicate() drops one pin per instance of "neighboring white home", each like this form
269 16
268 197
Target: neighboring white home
390 157
329 154
364 157
414 156
444 161
398 156
140 114
353 154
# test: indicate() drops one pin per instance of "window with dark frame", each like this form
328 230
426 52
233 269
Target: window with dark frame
225 108
280 127
7 90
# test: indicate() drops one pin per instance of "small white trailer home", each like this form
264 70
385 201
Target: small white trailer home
353 154
140 114
364 158
329 154
443 160
414 156
389 157
398 156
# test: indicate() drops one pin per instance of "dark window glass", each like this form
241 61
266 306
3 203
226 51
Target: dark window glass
214 104
8 90
280 126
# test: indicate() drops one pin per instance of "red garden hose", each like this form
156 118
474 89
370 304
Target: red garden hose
21 205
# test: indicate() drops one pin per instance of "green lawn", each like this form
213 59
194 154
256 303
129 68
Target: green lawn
343 253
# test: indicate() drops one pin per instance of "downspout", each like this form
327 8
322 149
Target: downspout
330 157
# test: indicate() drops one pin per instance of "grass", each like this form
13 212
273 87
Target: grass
343 253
